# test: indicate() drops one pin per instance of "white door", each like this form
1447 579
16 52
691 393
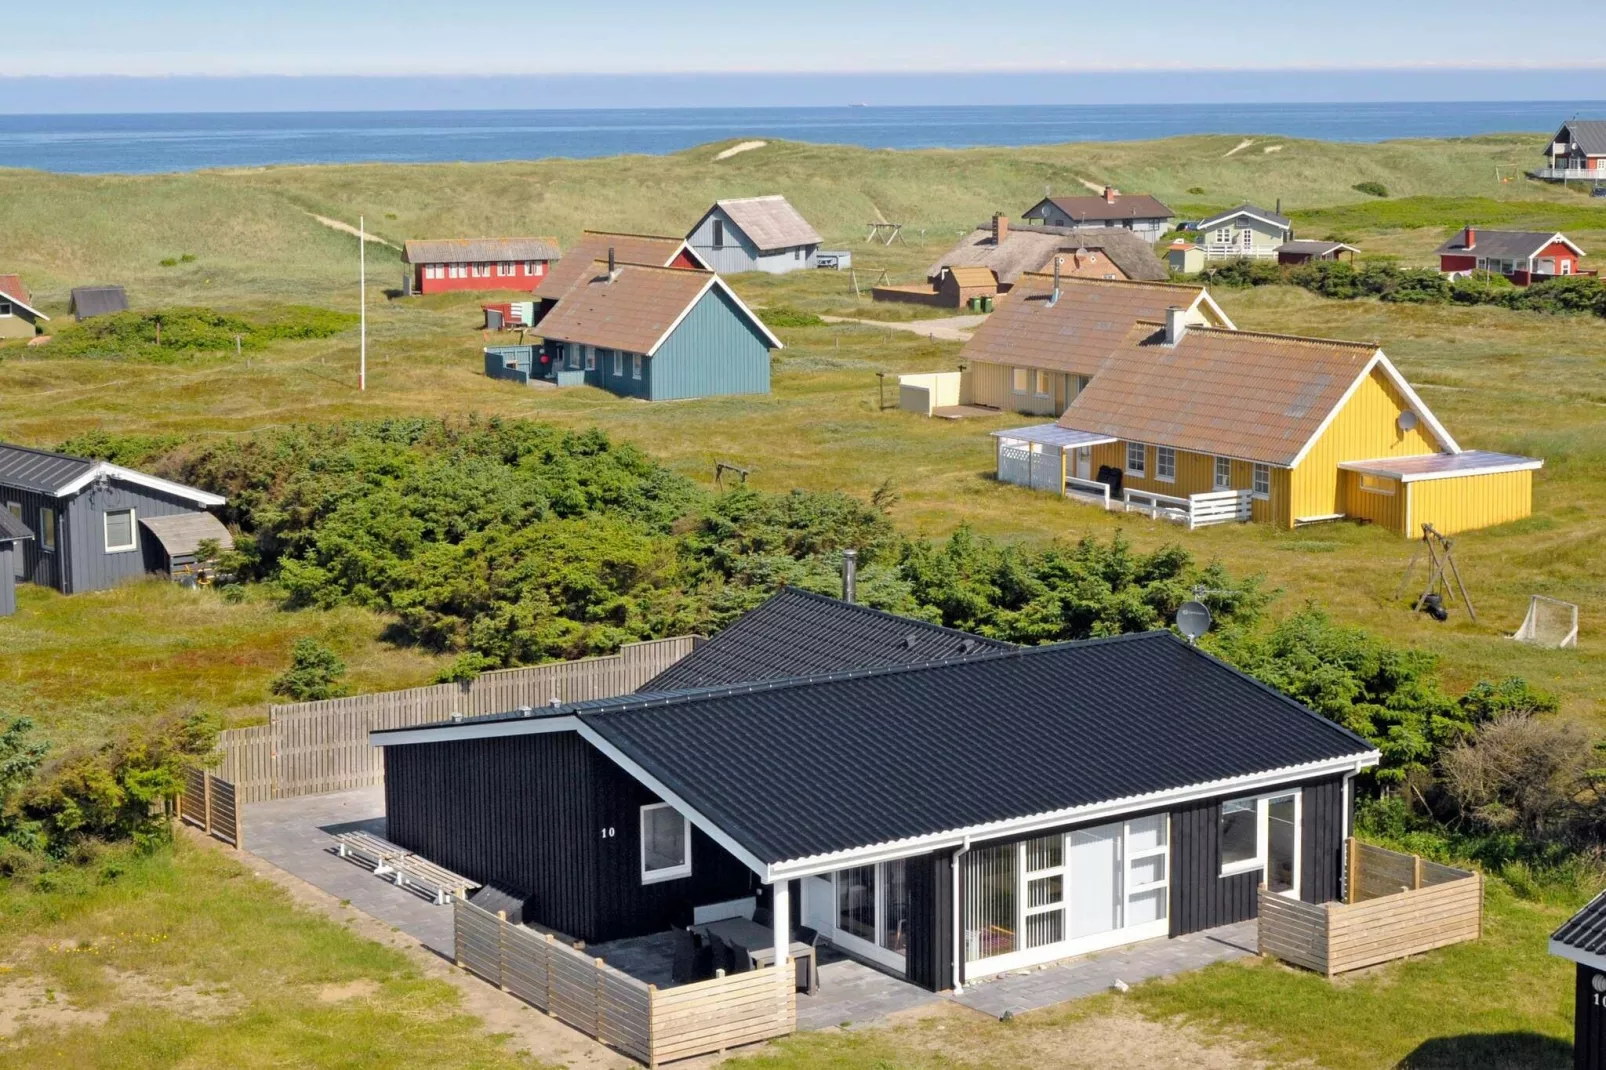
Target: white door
1095 872
1084 462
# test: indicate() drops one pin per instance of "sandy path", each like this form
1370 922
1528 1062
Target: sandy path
946 329
347 228
746 146
1241 146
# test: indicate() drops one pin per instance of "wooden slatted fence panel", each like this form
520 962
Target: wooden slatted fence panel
1438 906
310 748
192 804
225 812
723 1013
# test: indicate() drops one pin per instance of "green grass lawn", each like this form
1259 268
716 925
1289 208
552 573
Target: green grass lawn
183 959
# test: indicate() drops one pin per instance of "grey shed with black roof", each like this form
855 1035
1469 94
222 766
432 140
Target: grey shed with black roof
890 804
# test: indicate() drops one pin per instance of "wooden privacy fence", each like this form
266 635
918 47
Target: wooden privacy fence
644 1022
1395 905
313 747
211 805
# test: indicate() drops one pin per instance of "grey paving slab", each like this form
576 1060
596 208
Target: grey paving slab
297 836
1029 990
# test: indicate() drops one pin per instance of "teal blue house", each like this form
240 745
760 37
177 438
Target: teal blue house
649 332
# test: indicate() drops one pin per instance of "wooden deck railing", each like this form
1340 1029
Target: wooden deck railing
308 748
647 1023
1395 905
1196 510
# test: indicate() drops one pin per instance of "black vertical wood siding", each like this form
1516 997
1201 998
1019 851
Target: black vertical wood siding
514 811
1589 1021
929 957
1202 899
627 907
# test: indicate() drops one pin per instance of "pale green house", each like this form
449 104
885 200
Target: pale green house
1244 232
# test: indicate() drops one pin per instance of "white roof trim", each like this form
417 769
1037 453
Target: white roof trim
1573 954
139 479
535 724
1235 213
1379 468
15 300
1559 236
685 247
1216 310
1420 407
715 280
1255 782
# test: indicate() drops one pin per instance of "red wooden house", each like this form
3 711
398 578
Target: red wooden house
1523 256
478 264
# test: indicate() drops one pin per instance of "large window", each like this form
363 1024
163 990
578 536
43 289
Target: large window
120 531
1262 833
1165 464
665 844
872 906
1136 459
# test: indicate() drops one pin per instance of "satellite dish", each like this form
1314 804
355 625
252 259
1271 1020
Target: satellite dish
1193 620
1407 420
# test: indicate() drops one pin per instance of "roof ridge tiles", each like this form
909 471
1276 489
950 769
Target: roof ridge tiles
686 271
1277 336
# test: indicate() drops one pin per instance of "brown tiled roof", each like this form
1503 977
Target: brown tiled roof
632 312
594 245
1256 397
11 286
972 276
478 250
770 222
1095 209
1092 318
1033 249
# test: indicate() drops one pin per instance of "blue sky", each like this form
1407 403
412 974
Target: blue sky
533 37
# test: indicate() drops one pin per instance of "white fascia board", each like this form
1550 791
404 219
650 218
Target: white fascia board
1224 216
1420 407
139 479
690 813
444 733
1216 310
1380 468
713 281
20 303
826 863
1573 954
685 247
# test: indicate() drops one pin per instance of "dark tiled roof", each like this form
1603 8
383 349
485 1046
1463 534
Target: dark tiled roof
796 633
1250 209
12 529
1500 244
1586 930
807 767
1033 249
1095 209
87 301
1590 134
30 469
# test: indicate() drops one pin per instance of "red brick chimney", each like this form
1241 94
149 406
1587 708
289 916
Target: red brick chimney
1110 193
1471 237
1000 228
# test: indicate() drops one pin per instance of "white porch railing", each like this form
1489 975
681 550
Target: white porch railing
1194 511
1088 490
1596 173
1237 252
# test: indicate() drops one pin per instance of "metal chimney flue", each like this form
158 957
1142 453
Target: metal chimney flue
850 575
1054 298
613 265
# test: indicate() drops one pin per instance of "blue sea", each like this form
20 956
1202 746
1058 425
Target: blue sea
187 142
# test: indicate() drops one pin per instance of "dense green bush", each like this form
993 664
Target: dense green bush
1371 189
177 333
785 316
315 673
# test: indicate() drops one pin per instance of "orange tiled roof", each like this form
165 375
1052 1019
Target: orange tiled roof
631 312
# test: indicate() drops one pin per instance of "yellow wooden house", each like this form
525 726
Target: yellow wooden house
1204 425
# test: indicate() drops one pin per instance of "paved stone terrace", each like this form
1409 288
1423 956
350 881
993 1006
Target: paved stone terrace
296 835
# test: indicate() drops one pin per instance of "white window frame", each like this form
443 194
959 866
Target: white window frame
1020 380
858 945
618 364
133 531
1263 837
1162 454
535 267
669 873
504 268
457 271
635 366
479 271
1142 470
6 311
1259 471
1222 477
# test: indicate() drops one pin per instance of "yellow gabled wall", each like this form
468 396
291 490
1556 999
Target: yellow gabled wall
1463 503
1365 428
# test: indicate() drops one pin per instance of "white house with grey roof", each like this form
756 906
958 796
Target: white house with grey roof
95 524
1247 232
754 234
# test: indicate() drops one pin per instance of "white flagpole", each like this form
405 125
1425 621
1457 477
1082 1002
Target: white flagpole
362 300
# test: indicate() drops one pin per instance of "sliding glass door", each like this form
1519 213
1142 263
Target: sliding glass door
863 910
1066 894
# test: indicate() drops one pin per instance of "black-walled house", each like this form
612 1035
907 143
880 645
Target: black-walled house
1582 940
952 810
95 524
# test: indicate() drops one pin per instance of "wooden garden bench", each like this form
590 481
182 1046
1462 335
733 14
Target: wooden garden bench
381 852
438 879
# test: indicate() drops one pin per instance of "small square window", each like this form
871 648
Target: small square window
1136 459
1262 486
665 844
5 309
1165 464
120 531
1019 380
1223 479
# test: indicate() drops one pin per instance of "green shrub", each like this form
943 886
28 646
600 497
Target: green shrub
1197 191
1371 189
133 451
784 316
314 673
174 333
